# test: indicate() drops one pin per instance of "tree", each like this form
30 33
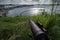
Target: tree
55 2
52 6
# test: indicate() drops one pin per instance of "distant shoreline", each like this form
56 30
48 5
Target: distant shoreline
26 4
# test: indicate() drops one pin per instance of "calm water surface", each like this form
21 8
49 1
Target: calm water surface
27 11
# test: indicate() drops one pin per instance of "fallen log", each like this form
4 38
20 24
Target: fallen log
38 34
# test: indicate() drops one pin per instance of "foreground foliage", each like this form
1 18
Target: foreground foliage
18 27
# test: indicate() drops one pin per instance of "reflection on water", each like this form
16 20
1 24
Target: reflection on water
29 11
25 11
32 11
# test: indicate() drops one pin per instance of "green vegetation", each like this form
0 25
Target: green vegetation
18 27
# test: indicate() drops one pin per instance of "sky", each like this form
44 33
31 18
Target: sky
25 1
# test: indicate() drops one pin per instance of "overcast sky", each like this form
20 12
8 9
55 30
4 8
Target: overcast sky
24 1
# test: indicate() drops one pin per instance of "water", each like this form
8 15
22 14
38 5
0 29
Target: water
27 11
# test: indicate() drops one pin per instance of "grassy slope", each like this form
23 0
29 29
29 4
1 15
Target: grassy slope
20 27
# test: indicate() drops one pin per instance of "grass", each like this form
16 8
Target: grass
17 25
21 28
